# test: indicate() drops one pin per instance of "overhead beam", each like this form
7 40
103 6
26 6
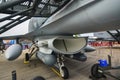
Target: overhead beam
114 36
61 6
10 4
13 15
14 23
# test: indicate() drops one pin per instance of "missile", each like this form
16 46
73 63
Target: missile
81 56
89 48
78 56
13 52
47 59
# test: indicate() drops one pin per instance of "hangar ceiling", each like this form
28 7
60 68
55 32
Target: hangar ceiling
42 8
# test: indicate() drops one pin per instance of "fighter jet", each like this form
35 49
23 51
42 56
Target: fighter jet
53 37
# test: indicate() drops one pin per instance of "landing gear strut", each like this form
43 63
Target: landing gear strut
33 49
62 69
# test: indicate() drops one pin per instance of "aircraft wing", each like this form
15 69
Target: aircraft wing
87 16
91 17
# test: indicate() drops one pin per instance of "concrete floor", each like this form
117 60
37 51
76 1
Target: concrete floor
78 70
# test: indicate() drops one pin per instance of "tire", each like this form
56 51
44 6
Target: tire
65 72
94 71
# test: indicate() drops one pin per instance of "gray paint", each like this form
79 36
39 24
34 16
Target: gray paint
79 16
98 16
13 52
47 59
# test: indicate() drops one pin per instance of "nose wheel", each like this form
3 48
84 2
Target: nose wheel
64 72
61 70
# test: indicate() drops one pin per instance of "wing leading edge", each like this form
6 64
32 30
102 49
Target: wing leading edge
92 17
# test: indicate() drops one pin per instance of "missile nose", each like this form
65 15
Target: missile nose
89 48
92 49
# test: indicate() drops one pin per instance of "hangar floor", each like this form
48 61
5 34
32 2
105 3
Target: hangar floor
78 70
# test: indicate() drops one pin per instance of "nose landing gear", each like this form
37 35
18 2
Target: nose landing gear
64 72
61 70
